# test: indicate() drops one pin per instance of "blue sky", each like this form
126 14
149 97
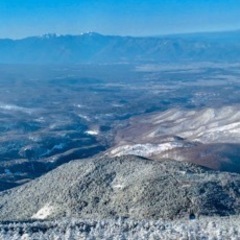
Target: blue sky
20 18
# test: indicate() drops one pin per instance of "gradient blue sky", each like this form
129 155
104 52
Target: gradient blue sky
20 18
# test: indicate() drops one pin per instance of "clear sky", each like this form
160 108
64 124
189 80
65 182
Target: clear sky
20 18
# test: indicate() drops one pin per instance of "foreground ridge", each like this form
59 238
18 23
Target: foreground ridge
128 186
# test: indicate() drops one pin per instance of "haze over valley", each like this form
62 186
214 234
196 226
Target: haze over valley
107 127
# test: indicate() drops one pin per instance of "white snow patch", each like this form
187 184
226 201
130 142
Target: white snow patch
40 119
79 105
144 150
44 212
117 105
92 132
10 107
118 186
85 117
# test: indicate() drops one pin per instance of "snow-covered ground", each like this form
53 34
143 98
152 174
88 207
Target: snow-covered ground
92 132
148 135
44 212
207 125
11 107
144 150
72 229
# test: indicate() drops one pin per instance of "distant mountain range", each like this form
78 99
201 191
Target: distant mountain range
100 49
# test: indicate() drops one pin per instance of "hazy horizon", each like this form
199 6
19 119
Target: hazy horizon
20 19
123 35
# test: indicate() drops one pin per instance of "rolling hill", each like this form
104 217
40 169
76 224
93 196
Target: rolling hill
128 186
